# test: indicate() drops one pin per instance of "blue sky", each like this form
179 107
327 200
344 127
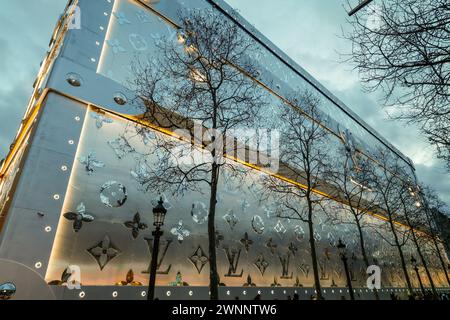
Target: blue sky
307 30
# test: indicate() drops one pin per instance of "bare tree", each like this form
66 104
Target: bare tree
403 47
352 180
303 159
201 88
387 184
431 202
414 220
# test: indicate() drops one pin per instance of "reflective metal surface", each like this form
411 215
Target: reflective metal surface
7 291
76 192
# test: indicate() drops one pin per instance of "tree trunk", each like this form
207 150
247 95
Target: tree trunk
436 245
402 257
213 276
425 265
312 243
363 251
419 252
444 266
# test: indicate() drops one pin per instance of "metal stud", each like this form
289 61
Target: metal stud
74 79
120 98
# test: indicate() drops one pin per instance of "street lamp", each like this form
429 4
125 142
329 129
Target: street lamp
342 253
416 269
159 214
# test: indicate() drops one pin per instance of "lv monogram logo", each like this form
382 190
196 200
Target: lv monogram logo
162 255
285 266
233 256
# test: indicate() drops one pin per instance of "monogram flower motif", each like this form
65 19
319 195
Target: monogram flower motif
180 231
231 219
115 45
135 225
79 217
246 242
100 120
129 280
104 251
199 259
261 264
90 162
121 18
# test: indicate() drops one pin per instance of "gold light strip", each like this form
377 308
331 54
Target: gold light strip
21 138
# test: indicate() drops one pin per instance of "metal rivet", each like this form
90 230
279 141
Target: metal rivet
191 293
56 196
168 293
115 294
120 98
77 118
143 293
71 142
48 229
74 79
64 168
82 294
38 265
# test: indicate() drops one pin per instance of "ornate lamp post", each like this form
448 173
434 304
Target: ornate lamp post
416 269
159 214
342 253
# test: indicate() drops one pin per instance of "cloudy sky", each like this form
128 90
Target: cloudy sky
307 30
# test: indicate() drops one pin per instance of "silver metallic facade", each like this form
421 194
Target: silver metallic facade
78 154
